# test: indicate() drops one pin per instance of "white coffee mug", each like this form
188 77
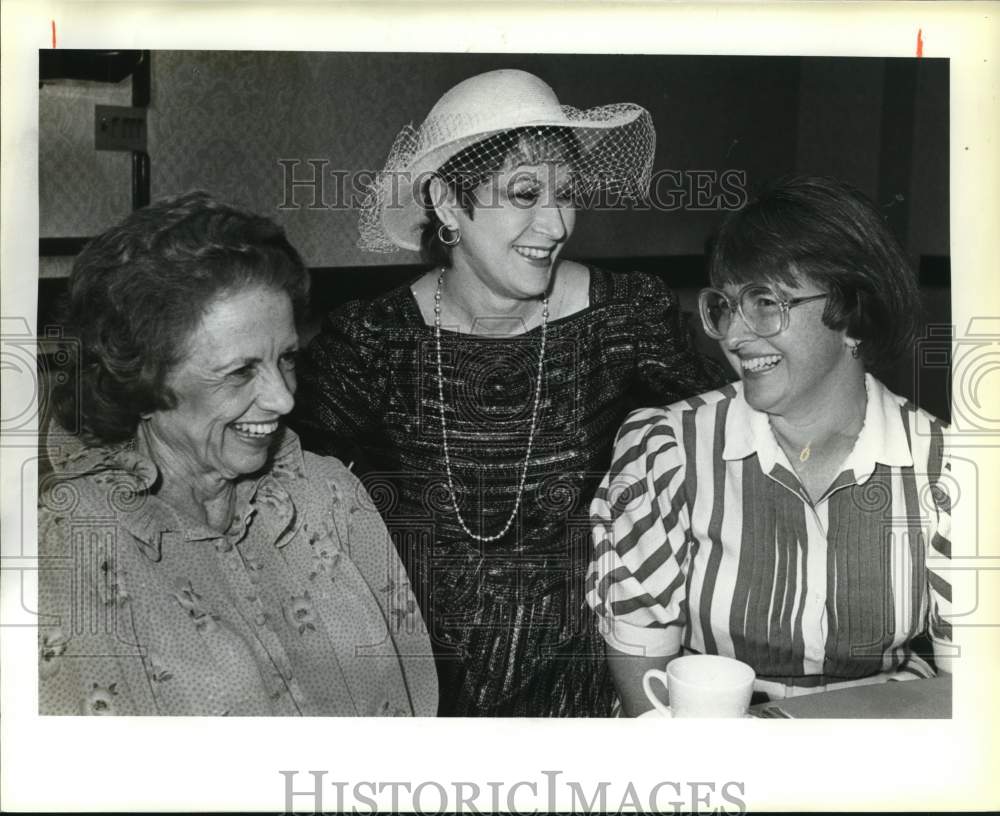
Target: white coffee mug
702 686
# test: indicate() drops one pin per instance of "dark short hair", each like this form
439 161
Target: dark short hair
829 232
470 168
138 292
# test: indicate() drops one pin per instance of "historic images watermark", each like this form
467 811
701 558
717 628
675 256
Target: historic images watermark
312 184
546 793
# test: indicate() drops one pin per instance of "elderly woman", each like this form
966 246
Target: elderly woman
193 560
790 521
483 396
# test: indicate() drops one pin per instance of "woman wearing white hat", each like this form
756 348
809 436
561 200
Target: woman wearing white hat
484 396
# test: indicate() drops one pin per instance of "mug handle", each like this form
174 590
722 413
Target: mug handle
647 678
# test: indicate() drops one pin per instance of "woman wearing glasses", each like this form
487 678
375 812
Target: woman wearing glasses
794 520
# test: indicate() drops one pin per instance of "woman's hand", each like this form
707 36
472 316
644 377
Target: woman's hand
627 671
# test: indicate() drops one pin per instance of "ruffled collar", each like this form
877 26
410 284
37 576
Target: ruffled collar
128 481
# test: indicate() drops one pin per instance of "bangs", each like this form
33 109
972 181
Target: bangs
773 242
543 146
739 262
483 161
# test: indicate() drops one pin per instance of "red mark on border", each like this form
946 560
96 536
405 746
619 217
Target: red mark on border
920 42
53 33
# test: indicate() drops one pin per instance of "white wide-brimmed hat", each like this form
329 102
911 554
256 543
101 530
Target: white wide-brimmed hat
616 142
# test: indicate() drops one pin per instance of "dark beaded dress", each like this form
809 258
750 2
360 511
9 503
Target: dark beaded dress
512 633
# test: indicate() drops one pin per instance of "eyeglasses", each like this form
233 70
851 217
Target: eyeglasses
764 311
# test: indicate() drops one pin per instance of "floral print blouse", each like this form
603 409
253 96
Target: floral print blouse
302 607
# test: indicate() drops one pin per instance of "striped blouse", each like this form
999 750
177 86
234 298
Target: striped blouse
706 541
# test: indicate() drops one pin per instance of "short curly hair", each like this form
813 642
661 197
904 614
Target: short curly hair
832 234
138 292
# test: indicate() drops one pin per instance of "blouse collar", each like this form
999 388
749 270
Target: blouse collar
882 438
128 477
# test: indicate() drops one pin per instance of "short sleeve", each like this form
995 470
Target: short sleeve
636 581
668 367
341 384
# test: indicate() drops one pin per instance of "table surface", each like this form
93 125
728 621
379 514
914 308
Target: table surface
914 699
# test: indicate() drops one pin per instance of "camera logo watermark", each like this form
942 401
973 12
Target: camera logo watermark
972 358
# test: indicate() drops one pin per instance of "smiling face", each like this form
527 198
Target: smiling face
797 373
519 223
232 388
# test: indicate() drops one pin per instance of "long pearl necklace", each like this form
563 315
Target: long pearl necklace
444 428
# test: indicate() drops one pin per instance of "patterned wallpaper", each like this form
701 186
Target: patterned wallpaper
81 191
222 121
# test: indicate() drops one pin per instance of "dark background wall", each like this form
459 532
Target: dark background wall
224 122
